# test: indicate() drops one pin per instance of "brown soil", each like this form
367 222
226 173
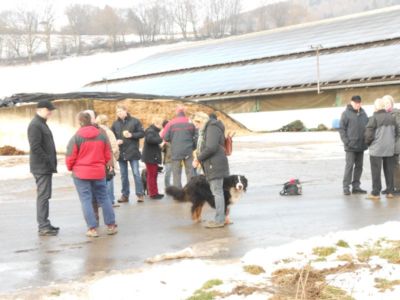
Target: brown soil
146 110
9 150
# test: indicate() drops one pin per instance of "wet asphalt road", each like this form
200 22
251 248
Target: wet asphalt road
262 218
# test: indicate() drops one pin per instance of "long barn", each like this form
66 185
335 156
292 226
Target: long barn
267 79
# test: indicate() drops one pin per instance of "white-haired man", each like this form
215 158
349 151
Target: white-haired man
380 135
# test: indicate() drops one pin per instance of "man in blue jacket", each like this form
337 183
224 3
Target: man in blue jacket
352 127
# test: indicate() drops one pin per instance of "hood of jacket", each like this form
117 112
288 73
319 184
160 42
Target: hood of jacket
88 132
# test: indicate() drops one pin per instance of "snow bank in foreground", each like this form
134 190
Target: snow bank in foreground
354 264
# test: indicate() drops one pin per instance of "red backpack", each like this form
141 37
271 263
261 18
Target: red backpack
229 144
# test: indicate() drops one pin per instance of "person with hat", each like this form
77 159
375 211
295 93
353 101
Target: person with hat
352 127
43 163
181 134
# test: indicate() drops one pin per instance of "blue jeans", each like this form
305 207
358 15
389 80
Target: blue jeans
216 186
94 189
110 190
167 174
123 165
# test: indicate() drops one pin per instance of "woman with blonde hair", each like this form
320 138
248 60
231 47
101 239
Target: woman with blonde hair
102 121
380 136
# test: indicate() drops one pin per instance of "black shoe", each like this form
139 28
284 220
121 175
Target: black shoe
384 192
359 191
346 192
157 197
48 232
54 228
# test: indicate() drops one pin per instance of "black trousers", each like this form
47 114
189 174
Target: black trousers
43 189
376 171
353 169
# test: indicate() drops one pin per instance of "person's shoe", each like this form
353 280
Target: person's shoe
48 232
112 229
116 205
157 197
384 192
140 198
346 192
213 224
123 199
359 191
373 197
92 232
54 228
389 196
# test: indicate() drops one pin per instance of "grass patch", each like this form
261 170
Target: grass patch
253 269
343 244
345 257
383 284
330 292
211 283
203 295
389 251
56 293
324 251
364 254
205 292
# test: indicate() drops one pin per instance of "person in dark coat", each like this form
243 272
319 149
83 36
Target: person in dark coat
43 164
380 135
152 156
211 155
181 134
128 131
352 128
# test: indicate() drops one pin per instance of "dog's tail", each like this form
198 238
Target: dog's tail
176 193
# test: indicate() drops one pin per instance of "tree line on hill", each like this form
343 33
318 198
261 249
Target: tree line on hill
26 35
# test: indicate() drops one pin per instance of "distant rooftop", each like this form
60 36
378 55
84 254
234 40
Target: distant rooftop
360 49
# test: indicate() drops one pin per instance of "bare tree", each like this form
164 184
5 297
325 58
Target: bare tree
149 21
28 23
110 23
47 22
79 17
180 13
221 16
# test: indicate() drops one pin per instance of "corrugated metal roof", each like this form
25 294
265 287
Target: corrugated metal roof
349 65
357 29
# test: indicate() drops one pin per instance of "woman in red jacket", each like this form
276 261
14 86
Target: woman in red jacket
88 156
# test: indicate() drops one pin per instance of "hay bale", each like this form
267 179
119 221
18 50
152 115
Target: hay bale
9 151
146 110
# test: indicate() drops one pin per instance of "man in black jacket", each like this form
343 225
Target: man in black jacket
352 127
43 163
128 131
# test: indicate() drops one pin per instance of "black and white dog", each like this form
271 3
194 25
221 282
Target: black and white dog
198 192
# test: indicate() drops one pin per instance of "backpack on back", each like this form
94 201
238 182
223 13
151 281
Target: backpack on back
229 144
292 188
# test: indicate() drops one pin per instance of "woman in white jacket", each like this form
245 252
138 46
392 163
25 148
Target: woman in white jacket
102 121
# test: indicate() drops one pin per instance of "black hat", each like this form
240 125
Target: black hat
46 104
356 99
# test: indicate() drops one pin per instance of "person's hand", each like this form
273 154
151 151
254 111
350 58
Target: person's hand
127 134
120 142
195 163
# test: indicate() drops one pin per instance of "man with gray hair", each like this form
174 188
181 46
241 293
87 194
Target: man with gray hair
380 135
43 163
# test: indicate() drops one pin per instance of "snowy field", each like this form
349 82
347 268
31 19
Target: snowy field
70 74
